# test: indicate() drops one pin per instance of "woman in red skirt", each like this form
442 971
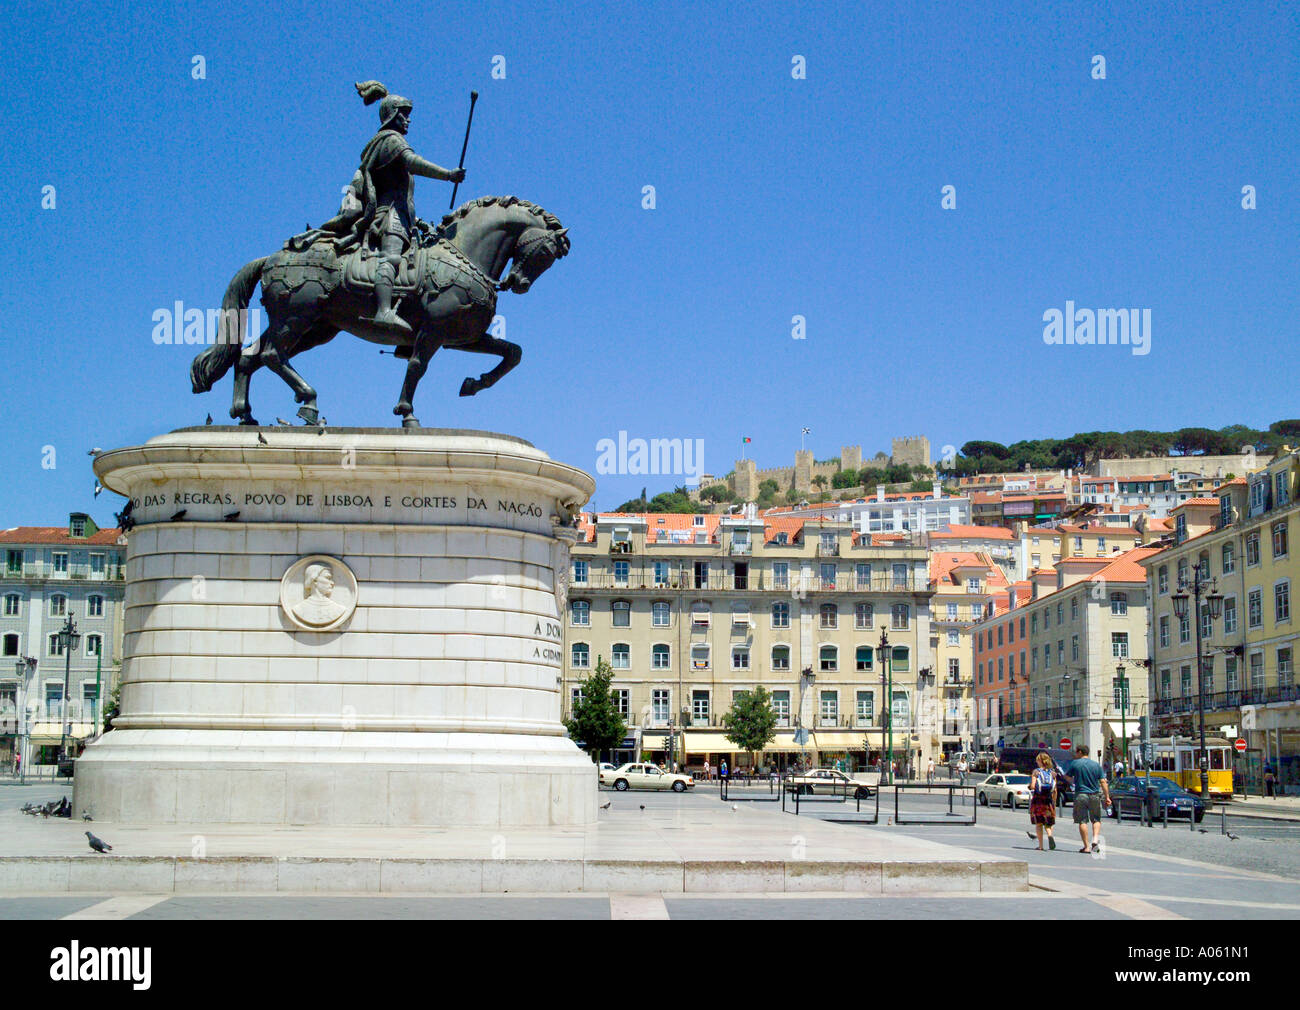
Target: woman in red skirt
1042 804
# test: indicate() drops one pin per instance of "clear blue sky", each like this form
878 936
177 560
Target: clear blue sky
776 197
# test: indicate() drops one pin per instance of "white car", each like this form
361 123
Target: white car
605 766
645 776
831 782
1008 790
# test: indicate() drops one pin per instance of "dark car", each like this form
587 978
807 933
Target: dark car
1129 792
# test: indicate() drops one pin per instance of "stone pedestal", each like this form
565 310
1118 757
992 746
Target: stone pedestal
356 627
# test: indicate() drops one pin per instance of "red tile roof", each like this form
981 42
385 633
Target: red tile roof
957 531
55 535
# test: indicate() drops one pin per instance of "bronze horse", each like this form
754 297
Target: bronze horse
449 300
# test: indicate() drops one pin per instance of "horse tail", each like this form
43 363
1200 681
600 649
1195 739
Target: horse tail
215 361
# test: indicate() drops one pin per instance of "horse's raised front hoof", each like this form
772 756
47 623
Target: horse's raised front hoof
309 414
470 386
410 422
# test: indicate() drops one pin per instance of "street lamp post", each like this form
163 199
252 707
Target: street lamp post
25 666
1123 712
1200 585
68 640
887 708
806 679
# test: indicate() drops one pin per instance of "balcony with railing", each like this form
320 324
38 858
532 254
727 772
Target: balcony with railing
752 581
828 550
37 570
1218 701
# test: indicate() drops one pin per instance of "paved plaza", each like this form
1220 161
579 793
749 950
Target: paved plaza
1143 873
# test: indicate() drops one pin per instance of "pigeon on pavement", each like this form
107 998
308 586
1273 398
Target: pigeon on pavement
85 816
261 440
606 805
98 844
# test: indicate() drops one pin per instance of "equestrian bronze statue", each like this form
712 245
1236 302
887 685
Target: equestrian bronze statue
379 272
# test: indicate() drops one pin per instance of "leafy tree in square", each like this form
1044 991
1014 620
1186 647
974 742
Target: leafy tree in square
595 722
751 723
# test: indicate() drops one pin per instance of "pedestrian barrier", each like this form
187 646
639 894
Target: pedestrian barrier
793 796
949 816
774 794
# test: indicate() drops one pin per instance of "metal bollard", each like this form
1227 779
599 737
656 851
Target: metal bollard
1223 818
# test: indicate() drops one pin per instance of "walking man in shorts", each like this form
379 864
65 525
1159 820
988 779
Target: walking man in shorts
1090 793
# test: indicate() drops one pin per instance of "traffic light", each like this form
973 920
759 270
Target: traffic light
1144 729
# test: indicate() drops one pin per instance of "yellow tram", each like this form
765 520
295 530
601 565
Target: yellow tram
1175 759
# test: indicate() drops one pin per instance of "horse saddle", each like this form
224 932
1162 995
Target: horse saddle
359 270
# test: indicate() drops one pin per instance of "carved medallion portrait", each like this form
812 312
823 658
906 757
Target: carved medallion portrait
318 593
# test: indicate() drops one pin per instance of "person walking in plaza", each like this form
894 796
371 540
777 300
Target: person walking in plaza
1042 801
1090 792
961 771
722 769
929 772
708 772
1270 782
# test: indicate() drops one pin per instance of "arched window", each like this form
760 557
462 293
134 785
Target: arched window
661 614
660 657
620 656
58 605
94 645
11 644
780 657
829 658
830 614
780 615
580 658
901 615
94 606
863 615
580 613
864 656
898 661
13 605
622 611
1119 604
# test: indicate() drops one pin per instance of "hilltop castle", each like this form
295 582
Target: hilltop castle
744 481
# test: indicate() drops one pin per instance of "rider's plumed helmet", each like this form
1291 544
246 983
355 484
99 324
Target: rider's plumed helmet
389 107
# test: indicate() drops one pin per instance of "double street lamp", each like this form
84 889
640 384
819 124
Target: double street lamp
25 667
1121 682
1192 592
806 680
68 641
887 705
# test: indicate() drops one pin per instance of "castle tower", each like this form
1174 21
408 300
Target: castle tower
803 471
913 450
851 457
745 484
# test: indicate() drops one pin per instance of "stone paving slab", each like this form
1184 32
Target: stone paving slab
692 848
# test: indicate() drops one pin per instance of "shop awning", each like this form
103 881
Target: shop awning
839 741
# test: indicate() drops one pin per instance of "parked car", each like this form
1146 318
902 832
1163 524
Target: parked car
828 781
1128 792
645 776
605 766
1011 790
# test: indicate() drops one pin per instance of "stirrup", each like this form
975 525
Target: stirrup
390 320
